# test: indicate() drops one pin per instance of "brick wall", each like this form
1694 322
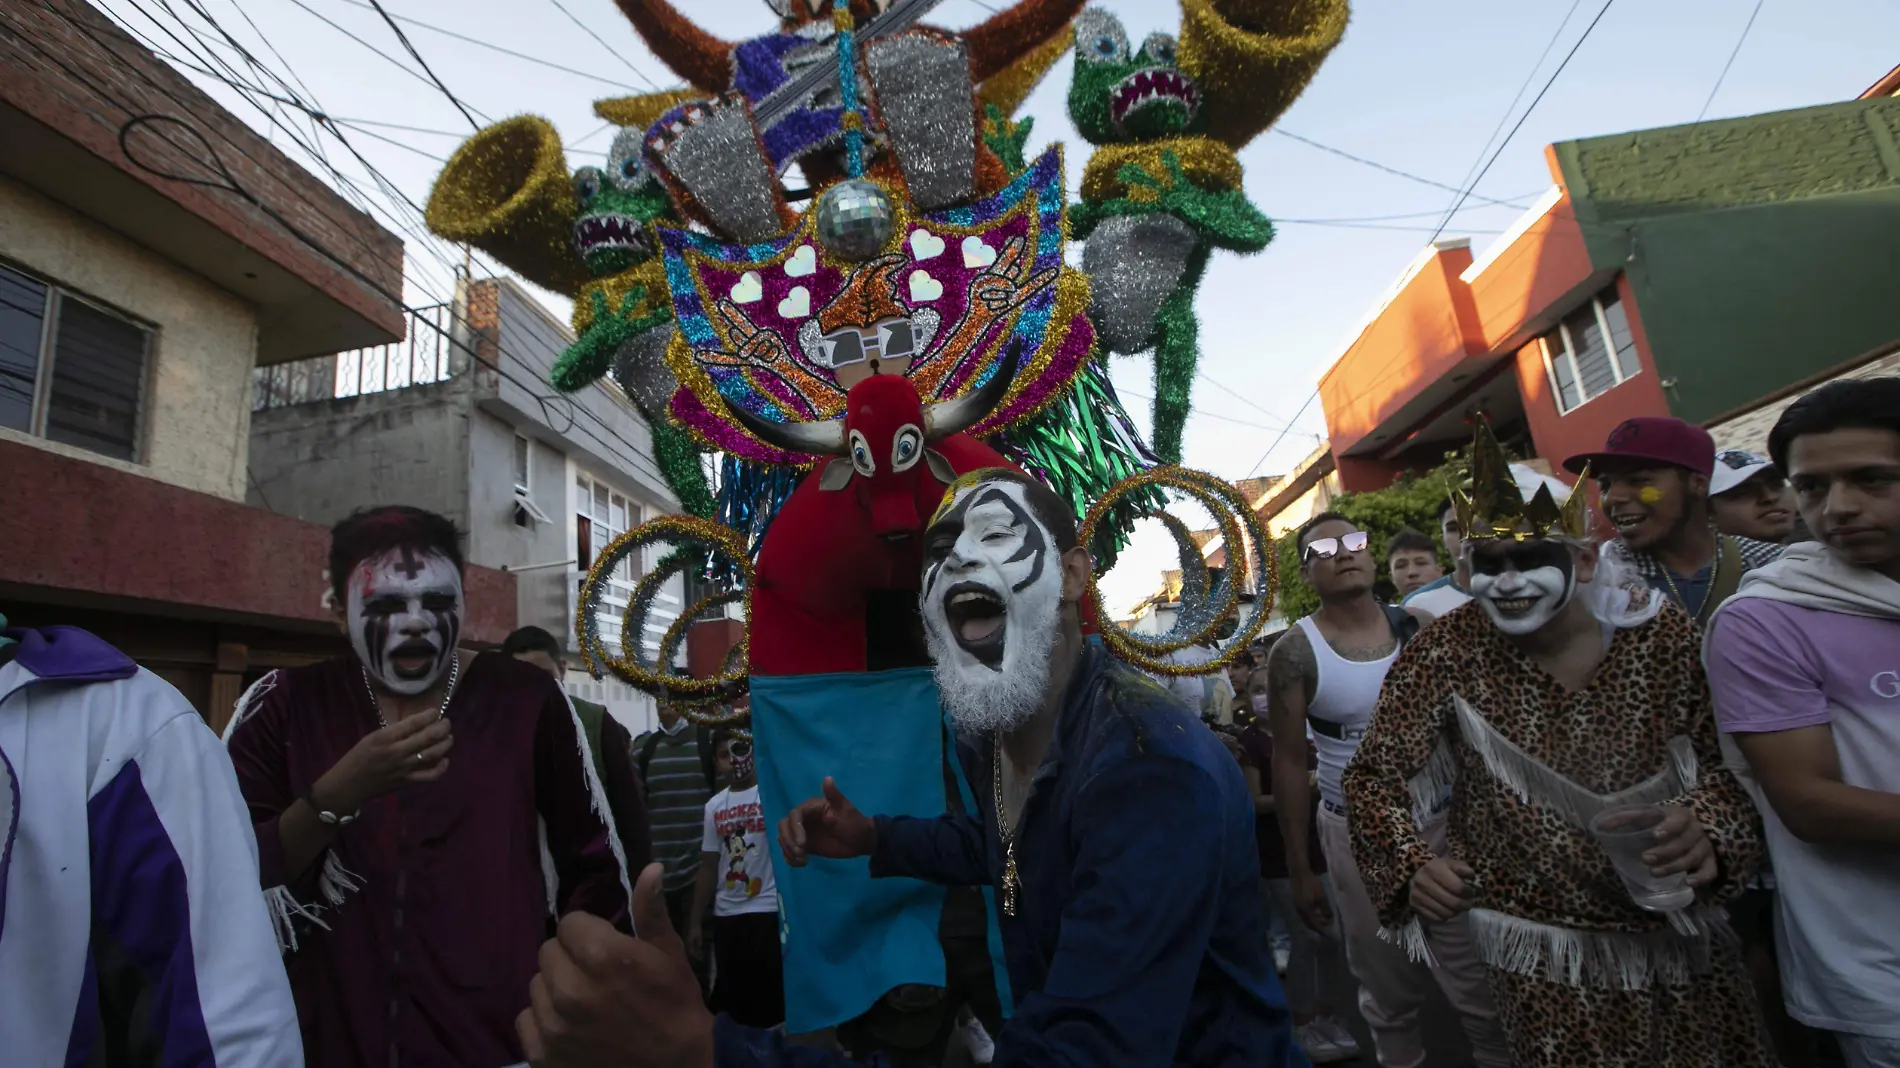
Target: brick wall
69 67
1750 429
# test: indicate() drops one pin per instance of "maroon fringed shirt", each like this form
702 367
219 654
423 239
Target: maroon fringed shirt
426 963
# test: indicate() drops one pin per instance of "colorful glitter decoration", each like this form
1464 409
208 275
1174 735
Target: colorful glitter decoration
1201 613
656 676
1163 189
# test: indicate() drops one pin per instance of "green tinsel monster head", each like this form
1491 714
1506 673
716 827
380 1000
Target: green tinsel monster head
616 205
1118 97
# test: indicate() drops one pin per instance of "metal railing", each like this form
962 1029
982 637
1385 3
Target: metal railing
420 358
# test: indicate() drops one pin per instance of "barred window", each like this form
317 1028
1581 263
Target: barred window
71 371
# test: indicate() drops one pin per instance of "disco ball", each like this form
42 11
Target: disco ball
855 219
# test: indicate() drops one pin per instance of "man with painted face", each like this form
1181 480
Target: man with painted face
418 816
1126 877
1653 474
1559 695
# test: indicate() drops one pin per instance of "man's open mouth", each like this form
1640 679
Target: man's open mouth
1623 521
612 232
1514 606
1157 85
412 660
978 619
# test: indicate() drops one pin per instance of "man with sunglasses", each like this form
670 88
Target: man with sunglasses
735 884
1324 679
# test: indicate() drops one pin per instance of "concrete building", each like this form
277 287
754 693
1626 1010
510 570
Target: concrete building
459 419
133 308
1700 271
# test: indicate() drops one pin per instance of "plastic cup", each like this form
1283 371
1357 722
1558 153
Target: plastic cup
1626 833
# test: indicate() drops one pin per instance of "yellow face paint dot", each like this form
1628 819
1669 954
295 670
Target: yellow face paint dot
1649 495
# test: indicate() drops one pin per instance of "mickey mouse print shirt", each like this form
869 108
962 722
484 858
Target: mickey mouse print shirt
735 834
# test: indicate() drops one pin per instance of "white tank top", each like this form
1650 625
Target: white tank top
1344 692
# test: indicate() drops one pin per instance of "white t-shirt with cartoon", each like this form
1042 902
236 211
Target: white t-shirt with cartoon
735 831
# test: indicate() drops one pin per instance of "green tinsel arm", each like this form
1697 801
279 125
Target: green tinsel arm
592 354
1224 218
1006 137
678 456
1177 350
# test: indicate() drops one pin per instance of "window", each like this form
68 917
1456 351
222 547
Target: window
601 516
70 371
524 456
1591 351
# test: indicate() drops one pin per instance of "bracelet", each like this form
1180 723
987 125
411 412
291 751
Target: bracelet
324 816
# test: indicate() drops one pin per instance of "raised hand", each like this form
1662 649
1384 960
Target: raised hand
407 752
1007 283
606 1000
745 337
827 826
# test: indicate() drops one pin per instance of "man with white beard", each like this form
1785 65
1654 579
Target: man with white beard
1563 702
1115 832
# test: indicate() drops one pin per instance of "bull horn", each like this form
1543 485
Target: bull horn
824 439
955 416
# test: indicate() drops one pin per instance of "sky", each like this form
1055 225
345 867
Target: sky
1416 87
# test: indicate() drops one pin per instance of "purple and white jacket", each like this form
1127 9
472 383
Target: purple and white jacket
131 929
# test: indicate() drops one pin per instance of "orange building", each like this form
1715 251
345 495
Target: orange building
1697 271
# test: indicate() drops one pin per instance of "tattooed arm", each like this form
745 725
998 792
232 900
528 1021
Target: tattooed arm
1292 676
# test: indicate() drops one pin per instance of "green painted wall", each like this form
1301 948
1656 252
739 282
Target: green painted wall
1761 250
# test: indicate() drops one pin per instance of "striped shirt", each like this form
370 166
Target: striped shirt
677 792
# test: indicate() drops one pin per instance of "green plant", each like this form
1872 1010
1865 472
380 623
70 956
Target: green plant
1413 501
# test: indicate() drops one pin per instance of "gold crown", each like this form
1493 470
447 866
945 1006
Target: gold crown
1495 506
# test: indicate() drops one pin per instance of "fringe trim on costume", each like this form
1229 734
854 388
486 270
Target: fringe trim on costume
598 793
1534 782
1615 960
1433 782
1411 938
247 702
337 881
284 910
550 880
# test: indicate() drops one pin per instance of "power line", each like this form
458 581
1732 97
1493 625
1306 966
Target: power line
589 31
1720 78
1241 397
1282 436
392 60
423 63
1377 166
523 56
1502 145
1529 75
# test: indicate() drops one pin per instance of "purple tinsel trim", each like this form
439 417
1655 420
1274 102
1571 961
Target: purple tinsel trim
689 412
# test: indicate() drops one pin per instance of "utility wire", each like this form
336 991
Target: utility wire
1377 166
478 42
423 63
589 31
1502 145
1720 78
1282 436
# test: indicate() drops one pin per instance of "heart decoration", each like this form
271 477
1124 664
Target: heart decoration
925 245
803 262
796 305
923 287
976 253
748 289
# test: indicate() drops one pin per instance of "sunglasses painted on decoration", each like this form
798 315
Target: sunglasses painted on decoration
1327 548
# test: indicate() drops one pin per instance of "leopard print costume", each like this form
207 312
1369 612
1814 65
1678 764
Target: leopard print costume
1583 978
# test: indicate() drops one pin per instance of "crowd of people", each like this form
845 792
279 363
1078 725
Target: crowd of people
1625 800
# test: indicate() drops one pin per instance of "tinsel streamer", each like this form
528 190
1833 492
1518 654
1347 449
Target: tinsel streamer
848 88
1250 562
1081 446
750 495
678 457
685 532
1177 350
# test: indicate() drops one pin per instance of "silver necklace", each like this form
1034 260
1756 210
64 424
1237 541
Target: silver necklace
1012 880
442 711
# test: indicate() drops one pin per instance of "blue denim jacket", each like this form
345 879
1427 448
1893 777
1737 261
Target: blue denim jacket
1139 938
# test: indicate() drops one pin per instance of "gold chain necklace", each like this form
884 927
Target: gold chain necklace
1670 578
1011 882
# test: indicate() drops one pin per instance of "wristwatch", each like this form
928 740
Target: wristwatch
325 816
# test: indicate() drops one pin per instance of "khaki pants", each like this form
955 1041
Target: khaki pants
1392 986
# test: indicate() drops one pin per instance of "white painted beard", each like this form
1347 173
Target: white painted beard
980 698
1548 588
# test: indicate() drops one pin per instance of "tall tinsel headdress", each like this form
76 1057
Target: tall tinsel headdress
1495 507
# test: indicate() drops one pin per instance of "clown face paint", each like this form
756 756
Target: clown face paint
991 600
1522 585
404 615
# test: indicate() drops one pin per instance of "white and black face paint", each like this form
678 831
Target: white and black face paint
1522 585
991 602
404 615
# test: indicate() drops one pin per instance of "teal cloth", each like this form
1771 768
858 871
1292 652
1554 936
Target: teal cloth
848 938
4 640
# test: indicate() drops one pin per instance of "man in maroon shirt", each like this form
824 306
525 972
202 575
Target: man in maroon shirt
411 890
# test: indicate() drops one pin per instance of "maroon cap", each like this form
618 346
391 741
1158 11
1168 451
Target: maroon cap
1649 441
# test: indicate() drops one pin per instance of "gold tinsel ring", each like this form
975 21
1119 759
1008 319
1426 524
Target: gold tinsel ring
656 678
1250 560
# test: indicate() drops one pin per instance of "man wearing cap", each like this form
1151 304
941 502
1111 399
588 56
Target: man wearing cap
1653 475
1749 497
